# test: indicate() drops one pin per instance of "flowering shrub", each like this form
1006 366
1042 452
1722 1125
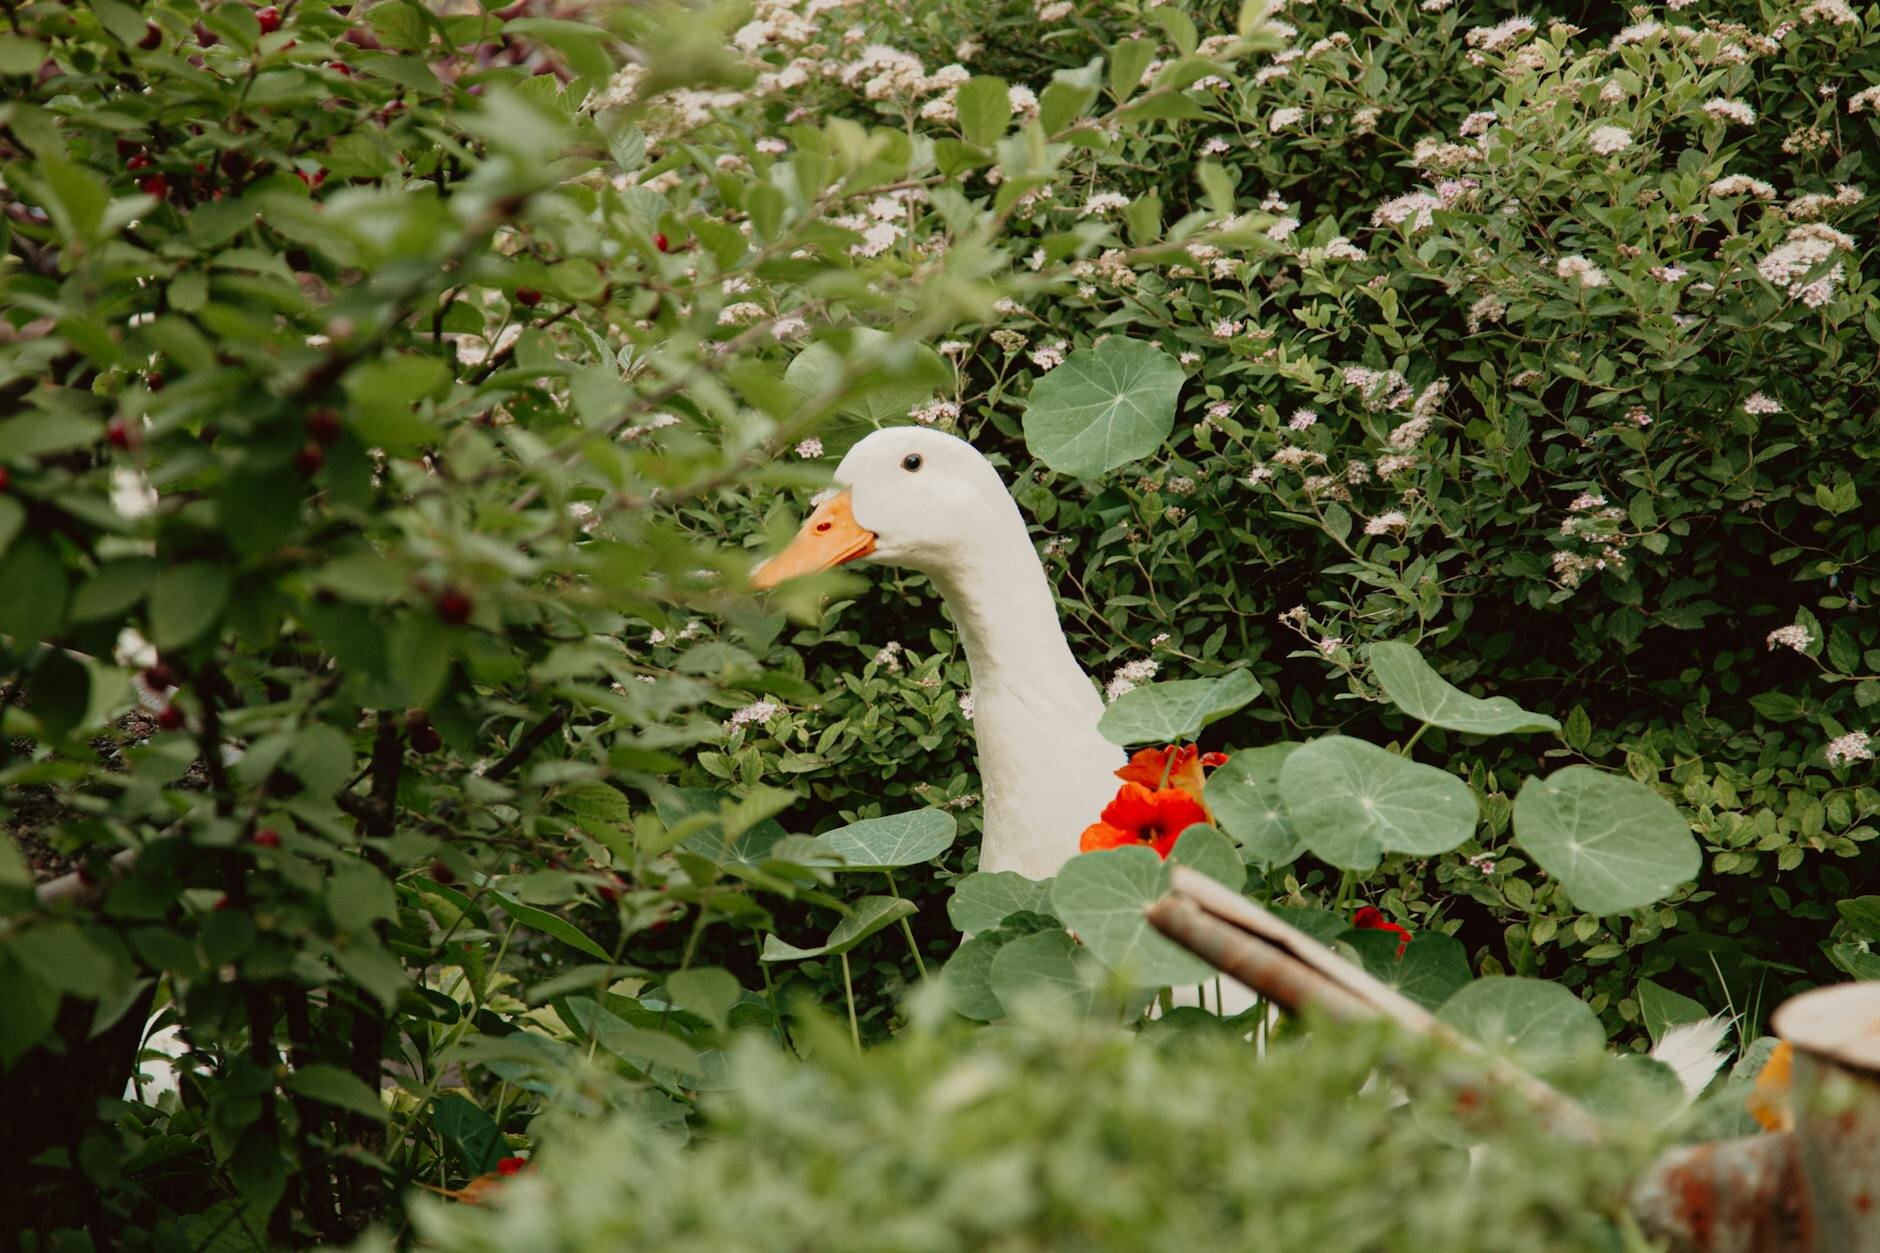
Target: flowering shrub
397 396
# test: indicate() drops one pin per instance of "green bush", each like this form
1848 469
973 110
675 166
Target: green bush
397 396
1055 1133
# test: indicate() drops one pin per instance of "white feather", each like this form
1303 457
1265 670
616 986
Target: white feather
1695 1052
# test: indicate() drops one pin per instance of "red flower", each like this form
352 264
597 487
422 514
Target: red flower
510 1165
1371 918
1140 816
1152 768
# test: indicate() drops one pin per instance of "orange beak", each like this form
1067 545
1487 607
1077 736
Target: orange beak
830 536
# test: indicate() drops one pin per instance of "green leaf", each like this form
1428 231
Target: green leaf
1104 407
33 603
982 901
1433 967
12 519
1244 795
1862 915
968 976
868 915
1169 713
470 1135
904 839
1535 1022
1614 844
1351 802
1101 897
39 433
1210 852
1662 1009
1414 687
551 924
357 895
185 601
332 1086
61 956
115 588
984 109
707 991
59 694
1041 971
79 196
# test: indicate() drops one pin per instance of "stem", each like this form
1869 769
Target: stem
906 930
1412 741
848 990
1345 885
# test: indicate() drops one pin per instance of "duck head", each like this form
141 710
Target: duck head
906 496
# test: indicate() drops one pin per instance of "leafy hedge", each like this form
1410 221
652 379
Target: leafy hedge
397 397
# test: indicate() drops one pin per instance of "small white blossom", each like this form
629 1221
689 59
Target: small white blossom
1854 746
1758 402
1579 269
810 448
1128 675
760 711
1606 140
1794 636
1283 118
1385 523
1726 110
1301 420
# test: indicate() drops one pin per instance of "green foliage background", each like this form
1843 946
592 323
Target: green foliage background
471 371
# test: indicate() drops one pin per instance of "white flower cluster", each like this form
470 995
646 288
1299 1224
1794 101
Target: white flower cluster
1385 523
1129 675
1805 249
1742 185
1793 636
1379 389
1758 402
757 712
1726 110
1579 270
1854 746
1606 140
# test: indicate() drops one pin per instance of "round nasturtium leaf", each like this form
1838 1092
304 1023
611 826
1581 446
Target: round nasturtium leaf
1535 1022
1101 897
1414 687
1430 971
1614 844
905 839
1040 971
1168 713
983 900
1203 848
1244 795
1352 802
1104 407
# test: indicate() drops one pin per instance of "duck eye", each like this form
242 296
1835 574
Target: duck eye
911 462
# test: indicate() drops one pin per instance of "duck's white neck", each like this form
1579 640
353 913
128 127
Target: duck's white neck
1045 772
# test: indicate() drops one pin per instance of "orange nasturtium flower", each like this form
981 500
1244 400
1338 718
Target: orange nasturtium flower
1160 798
1140 816
1768 1101
1371 918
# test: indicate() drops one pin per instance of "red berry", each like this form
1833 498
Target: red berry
528 297
425 739
170 718
312 180
268 837
6 478
154 381
206 37
160 677
118 432
341 68
153 37
310 459
453 606
659 241
324 425
442 873
609 892
270 19
137 162
127 147
234 163
221 904
156 185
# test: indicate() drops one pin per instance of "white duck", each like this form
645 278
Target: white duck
918 498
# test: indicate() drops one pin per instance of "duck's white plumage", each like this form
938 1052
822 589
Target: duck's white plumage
932 503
